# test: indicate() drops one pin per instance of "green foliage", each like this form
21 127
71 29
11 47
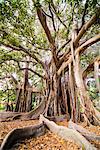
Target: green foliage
2 107
7 95
92 3
92 90
19 26
89 55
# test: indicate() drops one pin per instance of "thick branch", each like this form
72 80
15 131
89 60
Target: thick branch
63 46
20 48
90 67
80 49
88 43
82 31
34 72
84 12
86 27
42 19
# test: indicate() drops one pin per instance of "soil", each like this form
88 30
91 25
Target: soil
49 141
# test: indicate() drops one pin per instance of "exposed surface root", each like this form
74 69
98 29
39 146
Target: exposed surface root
50 140
67 134
34 114
88 135
21 133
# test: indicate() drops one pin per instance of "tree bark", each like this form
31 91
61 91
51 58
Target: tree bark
67 134
88 135
34 114
96 75
89 110
21 133
72 93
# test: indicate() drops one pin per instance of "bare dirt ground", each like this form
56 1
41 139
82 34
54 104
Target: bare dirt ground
49 141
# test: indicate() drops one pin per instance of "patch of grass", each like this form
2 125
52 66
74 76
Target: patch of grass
2 107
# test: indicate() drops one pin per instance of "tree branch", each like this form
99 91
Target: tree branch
2 78
86 27
80 49
46 14
20 48
90 67
63 46
84 13
88 43
34 72
52 4
52 17
82 31
10 76
14 80
42 19
41 48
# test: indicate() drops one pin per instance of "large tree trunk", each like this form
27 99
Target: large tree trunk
18 96
76 81
73 96
85 101
57 99
23 99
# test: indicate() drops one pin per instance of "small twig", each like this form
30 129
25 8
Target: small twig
34 72
63 46
52 4
46 14
52 17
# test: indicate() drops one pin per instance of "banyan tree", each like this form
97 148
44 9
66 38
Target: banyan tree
54 35
58 33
